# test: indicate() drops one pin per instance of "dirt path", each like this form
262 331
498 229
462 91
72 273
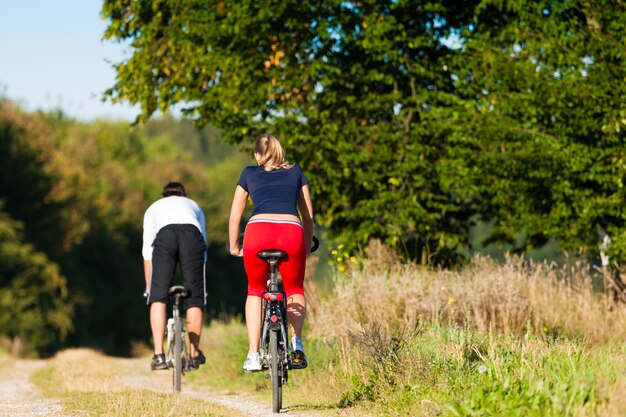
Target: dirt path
18 396
140 377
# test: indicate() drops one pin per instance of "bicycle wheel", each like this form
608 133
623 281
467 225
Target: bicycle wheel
281 376
276 373
178 349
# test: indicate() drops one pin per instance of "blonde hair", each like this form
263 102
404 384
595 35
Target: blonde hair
272 154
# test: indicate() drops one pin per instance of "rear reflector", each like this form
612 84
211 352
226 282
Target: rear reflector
273 296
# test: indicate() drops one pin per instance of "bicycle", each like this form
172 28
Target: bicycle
177 355
274 349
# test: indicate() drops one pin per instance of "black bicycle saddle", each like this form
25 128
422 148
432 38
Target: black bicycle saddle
266 254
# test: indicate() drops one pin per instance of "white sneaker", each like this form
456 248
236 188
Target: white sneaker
252 362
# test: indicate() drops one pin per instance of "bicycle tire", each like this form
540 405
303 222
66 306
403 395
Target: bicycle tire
281 376
276 374
178 349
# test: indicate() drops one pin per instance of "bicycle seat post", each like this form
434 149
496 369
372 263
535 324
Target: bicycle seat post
272 257
273 262
177 292
176 304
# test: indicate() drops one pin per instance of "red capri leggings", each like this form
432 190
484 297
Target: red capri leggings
279 235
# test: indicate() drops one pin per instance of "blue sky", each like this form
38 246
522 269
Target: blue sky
52 56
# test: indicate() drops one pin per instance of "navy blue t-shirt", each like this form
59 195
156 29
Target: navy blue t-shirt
274 192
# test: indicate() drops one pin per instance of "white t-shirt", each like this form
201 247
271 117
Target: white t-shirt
170 210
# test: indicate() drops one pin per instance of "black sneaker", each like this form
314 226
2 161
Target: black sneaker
158 362
193 364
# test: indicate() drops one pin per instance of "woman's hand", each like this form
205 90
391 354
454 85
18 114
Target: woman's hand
236 251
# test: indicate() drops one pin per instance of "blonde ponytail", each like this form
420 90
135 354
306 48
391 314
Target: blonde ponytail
271 153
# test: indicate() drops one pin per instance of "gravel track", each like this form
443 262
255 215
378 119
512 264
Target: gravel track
18 396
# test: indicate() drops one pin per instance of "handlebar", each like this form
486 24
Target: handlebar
316 244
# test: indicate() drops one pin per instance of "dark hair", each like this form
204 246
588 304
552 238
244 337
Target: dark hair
174 188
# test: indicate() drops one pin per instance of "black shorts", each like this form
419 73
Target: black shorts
183 244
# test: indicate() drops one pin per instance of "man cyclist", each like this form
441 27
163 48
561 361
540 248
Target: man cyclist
174 231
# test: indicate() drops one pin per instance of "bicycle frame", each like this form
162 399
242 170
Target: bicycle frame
274 346
177 356
274 309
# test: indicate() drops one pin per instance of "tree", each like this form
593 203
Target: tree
413 119
547 82
357 91
35 309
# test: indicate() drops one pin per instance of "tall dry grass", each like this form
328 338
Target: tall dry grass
77 370
514 297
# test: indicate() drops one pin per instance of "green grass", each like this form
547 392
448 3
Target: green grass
447 371
225 346
435 370
313 389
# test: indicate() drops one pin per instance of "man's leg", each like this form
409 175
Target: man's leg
163 268
191 257
157 324
194 329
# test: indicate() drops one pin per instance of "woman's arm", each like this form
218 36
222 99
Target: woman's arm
236 212
306 212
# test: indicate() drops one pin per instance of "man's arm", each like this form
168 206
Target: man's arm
146 250
202 221
147 272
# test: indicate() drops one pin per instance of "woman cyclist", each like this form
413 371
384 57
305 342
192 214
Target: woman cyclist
278 191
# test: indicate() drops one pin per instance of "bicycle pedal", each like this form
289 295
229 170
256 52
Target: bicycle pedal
298 362
302 365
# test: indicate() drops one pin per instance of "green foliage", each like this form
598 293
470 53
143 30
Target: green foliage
355 91
545 79
35 312
413 120
81 190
